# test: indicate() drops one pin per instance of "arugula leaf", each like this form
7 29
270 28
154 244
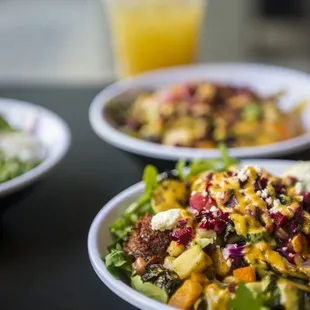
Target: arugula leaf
180 166
246 299
119 263
227 160
124 224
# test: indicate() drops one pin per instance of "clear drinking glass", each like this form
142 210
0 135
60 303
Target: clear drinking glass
150 34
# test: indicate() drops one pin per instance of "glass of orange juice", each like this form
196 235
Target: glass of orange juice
150 34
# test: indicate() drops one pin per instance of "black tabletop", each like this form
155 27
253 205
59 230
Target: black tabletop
43 245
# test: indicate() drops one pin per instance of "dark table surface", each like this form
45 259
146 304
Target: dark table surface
43 254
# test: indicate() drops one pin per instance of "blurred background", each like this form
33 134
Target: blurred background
67 41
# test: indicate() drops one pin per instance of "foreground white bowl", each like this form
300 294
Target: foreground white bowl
265 80
46 126
99 236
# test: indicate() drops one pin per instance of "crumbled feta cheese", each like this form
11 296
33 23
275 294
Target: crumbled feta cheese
193 193
291 255
258 169
228 263
204 194
215 211
259 193
301 171
242 175
265 193
269 201
284 248
166 220
298 187
276 203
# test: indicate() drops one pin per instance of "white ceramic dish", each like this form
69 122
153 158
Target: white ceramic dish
99 237
47 127
263 79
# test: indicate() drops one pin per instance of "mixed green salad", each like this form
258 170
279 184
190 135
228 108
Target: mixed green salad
212 236
19 151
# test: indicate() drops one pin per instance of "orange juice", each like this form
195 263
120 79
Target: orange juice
150 34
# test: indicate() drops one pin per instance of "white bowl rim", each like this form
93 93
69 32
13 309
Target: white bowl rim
115 137
48 163
117 286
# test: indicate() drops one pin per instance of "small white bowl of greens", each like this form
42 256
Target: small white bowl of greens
32 141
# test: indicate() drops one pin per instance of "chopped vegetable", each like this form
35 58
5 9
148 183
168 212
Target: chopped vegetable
244 298
186 295
118 263
165 279
192 260
149 289
245 274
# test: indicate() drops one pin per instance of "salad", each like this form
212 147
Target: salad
19 151
215 236
204 114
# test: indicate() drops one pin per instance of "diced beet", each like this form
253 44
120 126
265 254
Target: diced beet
237 262
279 188
209 203
182 223
207 223
183 236
219 226
232 202
306 201
197 201
232 287
260 184
295 224
209 179
279 219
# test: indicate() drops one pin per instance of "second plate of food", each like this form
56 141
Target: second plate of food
32 141
185 112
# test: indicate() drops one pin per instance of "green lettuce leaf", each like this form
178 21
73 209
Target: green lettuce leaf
119 263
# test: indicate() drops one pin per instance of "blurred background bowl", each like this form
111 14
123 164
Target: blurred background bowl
48 128
265 80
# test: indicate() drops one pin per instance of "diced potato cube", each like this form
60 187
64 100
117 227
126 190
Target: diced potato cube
175 249
186 295
220 265
192 260
168 262
245 274
169 194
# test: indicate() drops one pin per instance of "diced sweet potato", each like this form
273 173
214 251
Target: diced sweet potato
199 277
299 243
186 295
192 260
245 274
221 268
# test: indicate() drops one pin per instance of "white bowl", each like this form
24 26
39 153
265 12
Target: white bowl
99 236
264 79
47 127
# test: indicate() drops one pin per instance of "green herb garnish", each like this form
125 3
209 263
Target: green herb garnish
246 299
